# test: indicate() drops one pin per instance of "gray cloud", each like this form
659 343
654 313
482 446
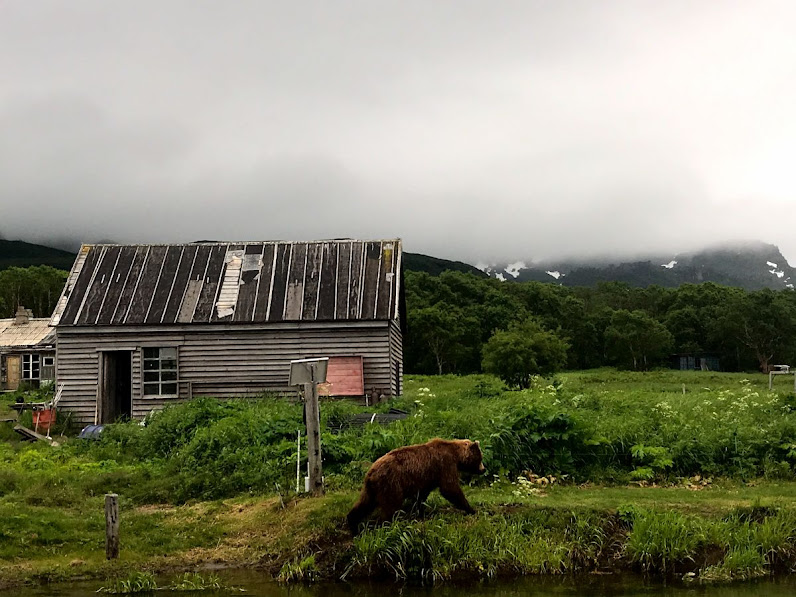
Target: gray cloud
474 130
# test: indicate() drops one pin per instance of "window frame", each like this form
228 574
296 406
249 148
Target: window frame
167 377
31 361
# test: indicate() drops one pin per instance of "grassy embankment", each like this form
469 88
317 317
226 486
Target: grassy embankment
210 483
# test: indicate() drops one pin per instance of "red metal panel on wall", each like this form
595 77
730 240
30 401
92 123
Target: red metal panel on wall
343 377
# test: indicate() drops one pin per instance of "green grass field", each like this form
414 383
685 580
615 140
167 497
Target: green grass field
665 471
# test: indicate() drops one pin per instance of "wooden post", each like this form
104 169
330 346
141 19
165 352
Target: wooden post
111 526
314 436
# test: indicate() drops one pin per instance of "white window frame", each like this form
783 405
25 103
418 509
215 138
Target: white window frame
31 361
159 371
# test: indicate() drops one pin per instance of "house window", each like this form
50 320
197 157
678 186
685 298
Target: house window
48 361
30 366
160 371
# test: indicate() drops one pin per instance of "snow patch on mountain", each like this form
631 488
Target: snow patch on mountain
556 275
500 276
769 264
513 269
669 265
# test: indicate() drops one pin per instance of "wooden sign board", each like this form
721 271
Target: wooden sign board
344 377
308 371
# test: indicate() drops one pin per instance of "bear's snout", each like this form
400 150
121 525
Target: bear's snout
481 468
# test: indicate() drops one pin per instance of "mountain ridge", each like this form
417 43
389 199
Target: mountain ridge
751 265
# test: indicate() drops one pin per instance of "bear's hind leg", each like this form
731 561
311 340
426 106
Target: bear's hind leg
360 511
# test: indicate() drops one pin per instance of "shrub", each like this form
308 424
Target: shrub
524 350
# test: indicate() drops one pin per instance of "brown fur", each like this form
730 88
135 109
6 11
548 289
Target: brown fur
413 472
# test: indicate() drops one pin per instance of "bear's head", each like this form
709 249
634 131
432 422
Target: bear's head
471 459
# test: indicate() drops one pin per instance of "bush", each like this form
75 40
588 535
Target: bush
524 350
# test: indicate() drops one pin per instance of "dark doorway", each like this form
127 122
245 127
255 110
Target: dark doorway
116 386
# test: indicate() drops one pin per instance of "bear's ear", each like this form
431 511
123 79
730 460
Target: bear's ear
478 443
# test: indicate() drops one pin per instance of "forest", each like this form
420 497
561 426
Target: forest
452 317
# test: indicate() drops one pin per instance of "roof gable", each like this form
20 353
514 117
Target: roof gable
232 282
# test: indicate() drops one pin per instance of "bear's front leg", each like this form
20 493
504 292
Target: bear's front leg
454 494
420 502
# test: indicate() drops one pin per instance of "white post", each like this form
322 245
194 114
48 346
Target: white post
298 461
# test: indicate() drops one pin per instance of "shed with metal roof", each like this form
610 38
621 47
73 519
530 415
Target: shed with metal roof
27 351
140 326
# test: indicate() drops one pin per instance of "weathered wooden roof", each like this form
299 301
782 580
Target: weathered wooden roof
232 282
35 332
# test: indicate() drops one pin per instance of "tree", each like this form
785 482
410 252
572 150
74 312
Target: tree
763 323
36 287
445 333
524 350
636 339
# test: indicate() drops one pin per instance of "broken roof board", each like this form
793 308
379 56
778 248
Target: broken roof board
254 282
35 332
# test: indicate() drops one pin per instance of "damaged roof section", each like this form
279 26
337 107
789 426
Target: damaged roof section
232 282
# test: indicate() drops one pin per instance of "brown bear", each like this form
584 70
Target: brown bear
414 472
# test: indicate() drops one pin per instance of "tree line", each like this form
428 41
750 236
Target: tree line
37 288
452 317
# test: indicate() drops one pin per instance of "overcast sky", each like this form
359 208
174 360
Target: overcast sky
473 130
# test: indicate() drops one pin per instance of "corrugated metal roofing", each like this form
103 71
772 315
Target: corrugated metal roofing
36 331
232 282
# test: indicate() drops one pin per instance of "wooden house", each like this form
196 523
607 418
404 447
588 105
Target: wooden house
141 326
27 351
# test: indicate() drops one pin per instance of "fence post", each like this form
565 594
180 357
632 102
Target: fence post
111 526
314 437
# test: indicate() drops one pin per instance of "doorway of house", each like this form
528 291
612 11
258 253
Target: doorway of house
115 400
13 371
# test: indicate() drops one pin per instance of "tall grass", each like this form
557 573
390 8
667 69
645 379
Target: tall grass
598 425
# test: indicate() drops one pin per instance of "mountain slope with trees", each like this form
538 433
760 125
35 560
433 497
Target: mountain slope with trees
17 253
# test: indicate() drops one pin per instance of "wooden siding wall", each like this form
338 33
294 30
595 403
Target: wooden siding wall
219 360
396 359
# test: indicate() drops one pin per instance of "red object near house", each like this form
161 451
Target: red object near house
43 420
343 377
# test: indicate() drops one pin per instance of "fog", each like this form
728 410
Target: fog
478 131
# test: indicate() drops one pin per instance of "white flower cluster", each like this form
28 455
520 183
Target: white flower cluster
525 488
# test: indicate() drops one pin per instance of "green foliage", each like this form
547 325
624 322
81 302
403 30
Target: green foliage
298 570
659 540
452 316
652 461
524 350
145 582
636 340
136 582
539 440
37 288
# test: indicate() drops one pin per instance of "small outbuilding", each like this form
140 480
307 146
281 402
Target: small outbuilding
696 361
27 351
142 326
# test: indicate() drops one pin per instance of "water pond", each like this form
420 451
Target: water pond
260 585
